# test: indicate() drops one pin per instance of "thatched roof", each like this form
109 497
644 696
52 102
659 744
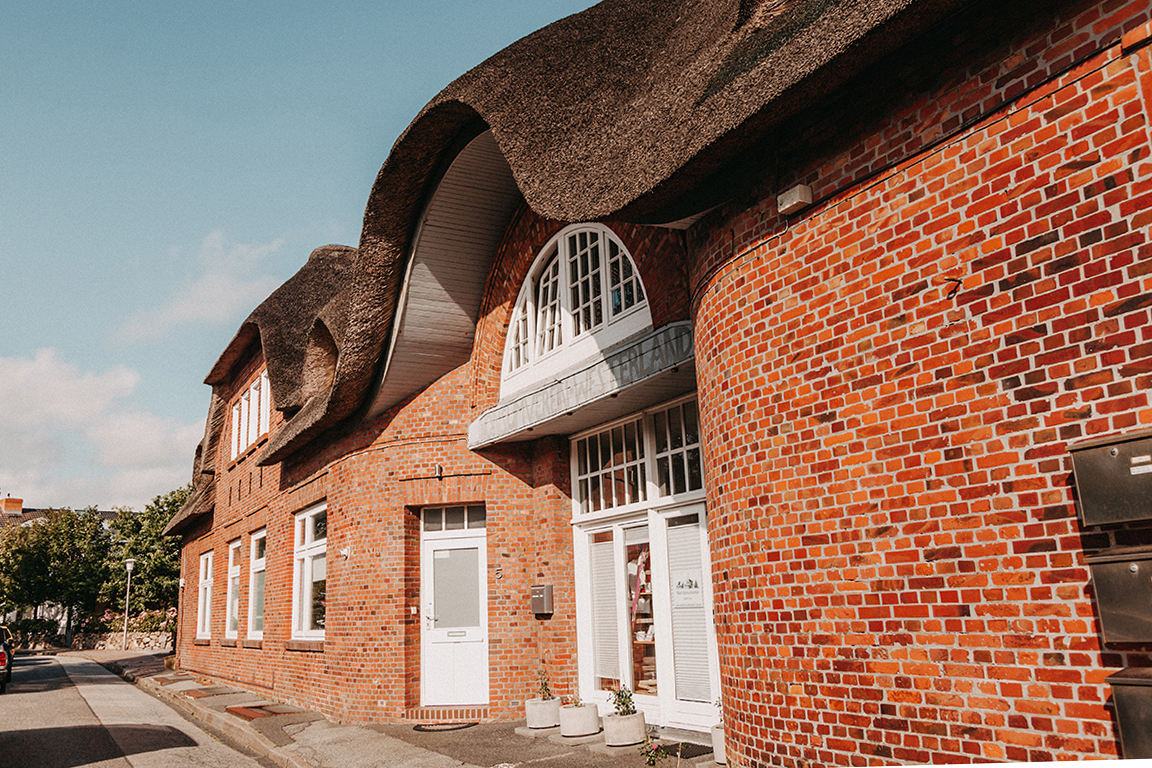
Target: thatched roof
638 110
633 110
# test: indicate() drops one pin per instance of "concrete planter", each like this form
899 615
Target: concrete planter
624 730
543 713
583 720
718 753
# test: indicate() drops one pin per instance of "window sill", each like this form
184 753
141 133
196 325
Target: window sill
257 644
228 642
202 641
308 646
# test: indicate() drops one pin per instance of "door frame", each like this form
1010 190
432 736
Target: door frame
663 708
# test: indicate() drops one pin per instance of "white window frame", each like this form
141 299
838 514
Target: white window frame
651 494
204 597
307 549
257 565
251 415
232 606
530 359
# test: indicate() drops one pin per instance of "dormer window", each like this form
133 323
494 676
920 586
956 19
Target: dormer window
251 414
582 295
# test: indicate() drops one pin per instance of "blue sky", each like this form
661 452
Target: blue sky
163 167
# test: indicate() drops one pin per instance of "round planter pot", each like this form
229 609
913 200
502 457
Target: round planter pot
543 713
718 745
624 730
583 720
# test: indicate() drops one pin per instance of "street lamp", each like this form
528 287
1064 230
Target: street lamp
127 593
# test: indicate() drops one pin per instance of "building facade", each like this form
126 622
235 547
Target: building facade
762 349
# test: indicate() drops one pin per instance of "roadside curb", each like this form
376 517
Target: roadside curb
238 731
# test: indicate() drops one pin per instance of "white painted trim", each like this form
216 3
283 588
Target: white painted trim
571 351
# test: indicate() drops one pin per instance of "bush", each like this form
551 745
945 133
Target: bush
35 627
145 621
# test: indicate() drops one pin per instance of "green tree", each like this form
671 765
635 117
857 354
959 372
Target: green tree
60 558
156 573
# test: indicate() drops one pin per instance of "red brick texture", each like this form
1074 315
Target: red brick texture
888 383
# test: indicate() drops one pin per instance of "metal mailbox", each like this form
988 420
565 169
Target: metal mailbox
1122 579
1132 695
541 598
1114 478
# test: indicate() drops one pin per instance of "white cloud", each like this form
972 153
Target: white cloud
230 285
73 438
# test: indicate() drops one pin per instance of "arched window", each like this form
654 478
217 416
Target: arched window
582 295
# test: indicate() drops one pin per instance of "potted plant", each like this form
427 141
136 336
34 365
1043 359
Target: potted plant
626 727
544 710
578 718
718 753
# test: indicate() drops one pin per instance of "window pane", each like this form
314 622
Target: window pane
320 526
695 476
691 429
454 519
477 518
319 580
582 457
433 519
662 475
675 435
678 473
661 422
456 587
629 442
258 602
233 603
261 547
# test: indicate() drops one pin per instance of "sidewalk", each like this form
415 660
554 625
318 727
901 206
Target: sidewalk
295 738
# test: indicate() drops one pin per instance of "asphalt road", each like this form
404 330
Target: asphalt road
71 712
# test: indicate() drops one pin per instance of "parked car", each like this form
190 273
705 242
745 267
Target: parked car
6 646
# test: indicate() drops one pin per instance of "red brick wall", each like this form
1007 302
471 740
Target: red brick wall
888 383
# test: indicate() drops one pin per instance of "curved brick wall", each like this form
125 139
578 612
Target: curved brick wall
889 383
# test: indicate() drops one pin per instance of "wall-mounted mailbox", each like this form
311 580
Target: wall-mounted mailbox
1114 478
541 598
1132 695
1122 579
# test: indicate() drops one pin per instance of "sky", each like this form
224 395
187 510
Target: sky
163 167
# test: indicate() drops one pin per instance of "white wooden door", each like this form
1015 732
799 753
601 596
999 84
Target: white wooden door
455 621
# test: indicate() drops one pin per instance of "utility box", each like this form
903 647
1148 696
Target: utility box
541 595
1114 478
1132 695
1122 579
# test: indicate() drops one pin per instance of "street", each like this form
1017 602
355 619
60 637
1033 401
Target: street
61 712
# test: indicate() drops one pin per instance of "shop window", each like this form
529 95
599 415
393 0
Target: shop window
257 571
310 580
582 295
232 611
251 415
204 598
